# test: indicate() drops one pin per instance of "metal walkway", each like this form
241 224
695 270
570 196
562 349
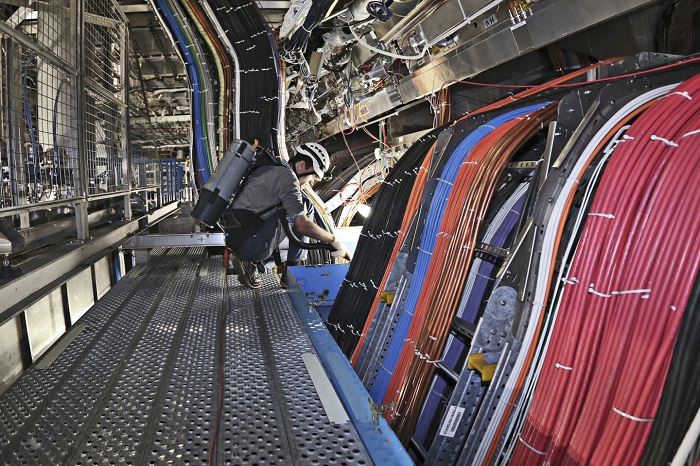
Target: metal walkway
140 381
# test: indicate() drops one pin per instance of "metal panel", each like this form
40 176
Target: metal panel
550 21
103 277
481 48
11 364
443 21
80 294
45 322
176 240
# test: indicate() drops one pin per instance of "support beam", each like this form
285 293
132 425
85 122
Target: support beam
186 240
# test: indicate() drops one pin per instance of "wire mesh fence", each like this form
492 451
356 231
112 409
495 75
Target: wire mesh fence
39 130
63 103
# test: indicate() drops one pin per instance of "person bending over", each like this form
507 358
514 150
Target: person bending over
271 194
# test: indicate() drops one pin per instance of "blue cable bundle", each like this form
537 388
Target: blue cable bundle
201 154
428 240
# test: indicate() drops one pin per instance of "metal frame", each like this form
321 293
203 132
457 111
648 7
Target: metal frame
68 60
43 274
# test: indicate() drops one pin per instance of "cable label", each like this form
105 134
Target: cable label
452 420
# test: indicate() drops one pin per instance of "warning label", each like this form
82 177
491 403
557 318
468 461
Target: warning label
449 425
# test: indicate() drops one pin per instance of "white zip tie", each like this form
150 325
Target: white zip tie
502 400
691 133
627 137
388 371
432 337
433 362
684 94
568 282
634 418
664 140
595 214
423 250
618 293
561 366
445 181
673 308
597 293
648 290
543 453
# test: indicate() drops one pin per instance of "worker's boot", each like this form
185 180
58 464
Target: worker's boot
247 273
284 275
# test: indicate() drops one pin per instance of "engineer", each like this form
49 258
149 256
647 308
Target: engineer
272 194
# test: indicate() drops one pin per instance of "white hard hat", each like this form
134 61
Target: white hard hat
317 154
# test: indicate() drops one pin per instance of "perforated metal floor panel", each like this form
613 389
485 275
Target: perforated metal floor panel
142 383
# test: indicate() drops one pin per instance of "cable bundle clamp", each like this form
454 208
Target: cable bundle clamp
573 281
479 363
387 297
543 453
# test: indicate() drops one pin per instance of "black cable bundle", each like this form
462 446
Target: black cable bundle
296 44
340 178
254 47
680 399
354 300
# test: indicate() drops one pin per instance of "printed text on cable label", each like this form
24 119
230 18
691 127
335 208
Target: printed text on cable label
449 426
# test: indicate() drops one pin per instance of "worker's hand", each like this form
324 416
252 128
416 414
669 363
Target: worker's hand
340 250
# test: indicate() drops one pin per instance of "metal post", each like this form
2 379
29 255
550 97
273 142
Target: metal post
82 225
126 137
81 215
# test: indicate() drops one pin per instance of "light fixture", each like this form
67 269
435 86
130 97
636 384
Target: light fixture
364 210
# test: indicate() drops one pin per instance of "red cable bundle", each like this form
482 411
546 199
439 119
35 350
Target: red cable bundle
513 399
622 302
447 272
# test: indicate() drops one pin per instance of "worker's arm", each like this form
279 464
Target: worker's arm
308 228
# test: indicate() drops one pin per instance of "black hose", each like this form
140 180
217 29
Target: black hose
297 242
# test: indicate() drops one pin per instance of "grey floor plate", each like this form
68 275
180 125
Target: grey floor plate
142 383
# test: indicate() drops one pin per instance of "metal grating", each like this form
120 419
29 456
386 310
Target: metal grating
318 441
141 384
43 413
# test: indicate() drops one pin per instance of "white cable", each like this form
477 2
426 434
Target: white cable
691 437
384 52
546 258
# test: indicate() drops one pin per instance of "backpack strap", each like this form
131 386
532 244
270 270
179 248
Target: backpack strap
276 206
